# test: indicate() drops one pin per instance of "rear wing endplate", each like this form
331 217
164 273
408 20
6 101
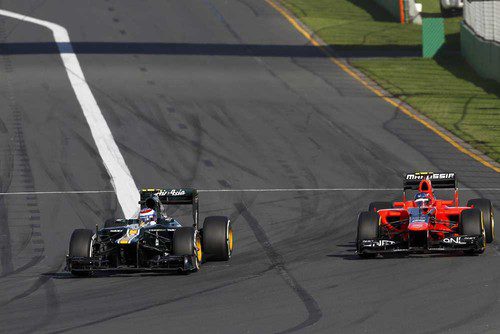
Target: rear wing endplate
442 180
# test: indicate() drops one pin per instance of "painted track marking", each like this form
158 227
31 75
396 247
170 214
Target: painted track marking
377 91
121 179
69 192
323 189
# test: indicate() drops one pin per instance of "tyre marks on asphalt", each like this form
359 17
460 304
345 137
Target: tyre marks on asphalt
22 244
167 301
278 263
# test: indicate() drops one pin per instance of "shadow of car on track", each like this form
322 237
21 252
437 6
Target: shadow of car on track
68 275
350 254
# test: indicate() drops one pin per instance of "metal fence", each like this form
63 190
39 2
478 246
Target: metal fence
483 17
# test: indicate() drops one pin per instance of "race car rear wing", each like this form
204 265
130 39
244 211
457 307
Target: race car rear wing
438 180
181 196
171 196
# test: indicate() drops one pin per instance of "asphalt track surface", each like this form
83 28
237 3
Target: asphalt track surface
218 95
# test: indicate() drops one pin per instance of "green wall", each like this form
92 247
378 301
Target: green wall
392 6
482 55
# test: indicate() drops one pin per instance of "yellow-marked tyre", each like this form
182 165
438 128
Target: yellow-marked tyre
485 206
471 224
199 252
218 238
187 242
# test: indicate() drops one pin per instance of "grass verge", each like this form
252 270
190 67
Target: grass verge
444 89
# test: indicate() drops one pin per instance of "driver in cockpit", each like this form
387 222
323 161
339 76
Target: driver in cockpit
149 217
424 201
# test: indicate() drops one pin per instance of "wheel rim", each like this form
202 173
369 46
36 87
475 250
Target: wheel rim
199 252
91 246
230 240
492 220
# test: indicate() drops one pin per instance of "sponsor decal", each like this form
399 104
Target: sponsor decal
172 192
156 230
417 225
115 231
430 176
455 241
378 243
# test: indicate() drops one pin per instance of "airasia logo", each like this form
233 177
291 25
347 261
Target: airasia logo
172 192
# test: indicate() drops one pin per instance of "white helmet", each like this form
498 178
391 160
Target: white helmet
147 215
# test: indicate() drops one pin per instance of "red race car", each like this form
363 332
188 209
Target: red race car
426 224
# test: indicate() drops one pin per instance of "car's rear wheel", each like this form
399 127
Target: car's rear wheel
375 206
80 245
218 239
486 208
471 224
368 229
187 242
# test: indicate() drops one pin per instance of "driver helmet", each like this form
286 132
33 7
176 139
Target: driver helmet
422 200
147 216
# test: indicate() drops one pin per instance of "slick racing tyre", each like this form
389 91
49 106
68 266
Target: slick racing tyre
80 245
375 206
217 238
368 229
185 244
486 208
471 223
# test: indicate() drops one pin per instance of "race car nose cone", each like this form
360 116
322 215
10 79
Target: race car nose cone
417 226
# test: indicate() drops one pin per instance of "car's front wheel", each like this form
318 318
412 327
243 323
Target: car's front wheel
80 245
368 229
471 224
187 242
486 208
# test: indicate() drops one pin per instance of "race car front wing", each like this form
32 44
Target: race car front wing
184 263
448 244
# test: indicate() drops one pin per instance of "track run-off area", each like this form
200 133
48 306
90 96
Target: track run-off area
102 97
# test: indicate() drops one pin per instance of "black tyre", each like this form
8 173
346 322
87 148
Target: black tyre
368 229
185 244
217 238
80 245
114 223
486 208
471 223
375 206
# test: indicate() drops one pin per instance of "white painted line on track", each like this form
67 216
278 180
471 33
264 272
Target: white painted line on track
57 192
322 189
291 190
63 192
121 179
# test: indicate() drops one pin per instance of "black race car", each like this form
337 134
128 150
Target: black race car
129 245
